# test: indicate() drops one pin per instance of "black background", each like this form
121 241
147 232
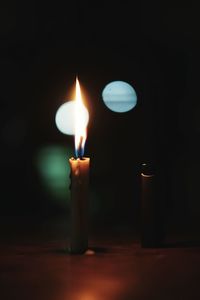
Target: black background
154 47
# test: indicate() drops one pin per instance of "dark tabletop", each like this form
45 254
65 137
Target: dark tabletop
37 266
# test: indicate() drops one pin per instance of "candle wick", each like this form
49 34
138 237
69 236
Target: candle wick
79 150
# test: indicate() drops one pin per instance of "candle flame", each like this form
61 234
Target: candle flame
80 125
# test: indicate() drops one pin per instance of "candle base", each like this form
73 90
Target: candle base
77 251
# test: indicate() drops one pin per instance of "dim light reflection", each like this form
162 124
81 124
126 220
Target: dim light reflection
144 175
99 289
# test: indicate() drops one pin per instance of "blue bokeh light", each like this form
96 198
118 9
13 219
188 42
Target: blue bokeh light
119 96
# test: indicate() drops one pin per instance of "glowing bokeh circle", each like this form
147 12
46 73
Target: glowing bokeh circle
65 118
119 96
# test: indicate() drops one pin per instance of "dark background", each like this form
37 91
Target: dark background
154 47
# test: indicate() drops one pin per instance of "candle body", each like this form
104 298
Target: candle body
154 191
79 204
148 209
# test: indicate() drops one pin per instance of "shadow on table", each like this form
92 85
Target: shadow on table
181 244
90 251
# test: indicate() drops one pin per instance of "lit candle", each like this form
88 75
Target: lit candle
79 181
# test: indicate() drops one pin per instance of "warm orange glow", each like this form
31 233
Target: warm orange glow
80 125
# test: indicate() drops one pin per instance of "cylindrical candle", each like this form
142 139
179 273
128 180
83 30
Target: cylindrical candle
79 204
148 207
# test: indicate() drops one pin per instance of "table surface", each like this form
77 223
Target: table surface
118 268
